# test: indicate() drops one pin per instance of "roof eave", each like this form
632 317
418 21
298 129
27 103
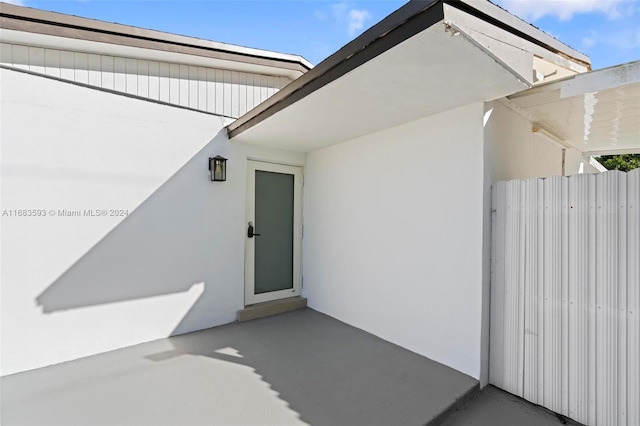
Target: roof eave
413 17
410 19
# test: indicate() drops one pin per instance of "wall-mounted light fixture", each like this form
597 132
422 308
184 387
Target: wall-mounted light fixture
218 168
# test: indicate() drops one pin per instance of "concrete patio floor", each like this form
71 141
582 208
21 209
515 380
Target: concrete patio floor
494 407
297 368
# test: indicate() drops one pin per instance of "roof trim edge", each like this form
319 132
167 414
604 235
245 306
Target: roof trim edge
413 17
20 18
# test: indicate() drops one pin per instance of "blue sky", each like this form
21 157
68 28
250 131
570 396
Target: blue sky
606 30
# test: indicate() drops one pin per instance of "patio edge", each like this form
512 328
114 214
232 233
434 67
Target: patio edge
457 404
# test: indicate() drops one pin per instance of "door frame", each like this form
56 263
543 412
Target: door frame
250 297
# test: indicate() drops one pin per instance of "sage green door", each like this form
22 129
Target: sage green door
273 232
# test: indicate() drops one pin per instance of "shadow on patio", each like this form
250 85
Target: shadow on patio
301 367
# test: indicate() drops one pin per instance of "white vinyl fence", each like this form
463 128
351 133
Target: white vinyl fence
565 294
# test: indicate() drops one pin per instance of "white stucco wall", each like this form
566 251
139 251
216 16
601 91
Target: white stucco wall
76 286
575 163
513 151
393 235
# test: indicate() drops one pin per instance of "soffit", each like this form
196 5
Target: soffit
596 113
435 70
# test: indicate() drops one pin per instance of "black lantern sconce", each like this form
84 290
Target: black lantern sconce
218 168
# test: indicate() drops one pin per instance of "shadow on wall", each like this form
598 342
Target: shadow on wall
163 247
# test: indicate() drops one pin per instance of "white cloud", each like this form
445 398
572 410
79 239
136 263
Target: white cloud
565 9
354 19
339 11
590 40
628 39
624 39
18 2
357 18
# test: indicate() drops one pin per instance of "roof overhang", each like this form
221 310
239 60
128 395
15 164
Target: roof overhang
425 58
23 25
596 113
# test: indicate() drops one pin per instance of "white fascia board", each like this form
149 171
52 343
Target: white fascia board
258 52
622 151
595 163
72 21
86 46
607 78
513 21
589 82
508 47
501 45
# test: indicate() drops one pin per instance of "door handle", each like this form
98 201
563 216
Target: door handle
250 232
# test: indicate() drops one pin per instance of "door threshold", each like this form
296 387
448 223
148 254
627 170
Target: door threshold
273 307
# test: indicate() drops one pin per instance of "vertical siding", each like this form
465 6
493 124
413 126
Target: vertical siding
242 93
52 62
6 54
633 298
553 288
67 65
264 89
496 339
80 67
222 92
193 94
131 76
202 88
533 323
513 286
174 84
250 92
95 70
573 251
507 344
154 80
235 94
607 277
106 64
164 77
227 90
183 85
119 74
211 90
36 59
20 57
143 79
581 286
